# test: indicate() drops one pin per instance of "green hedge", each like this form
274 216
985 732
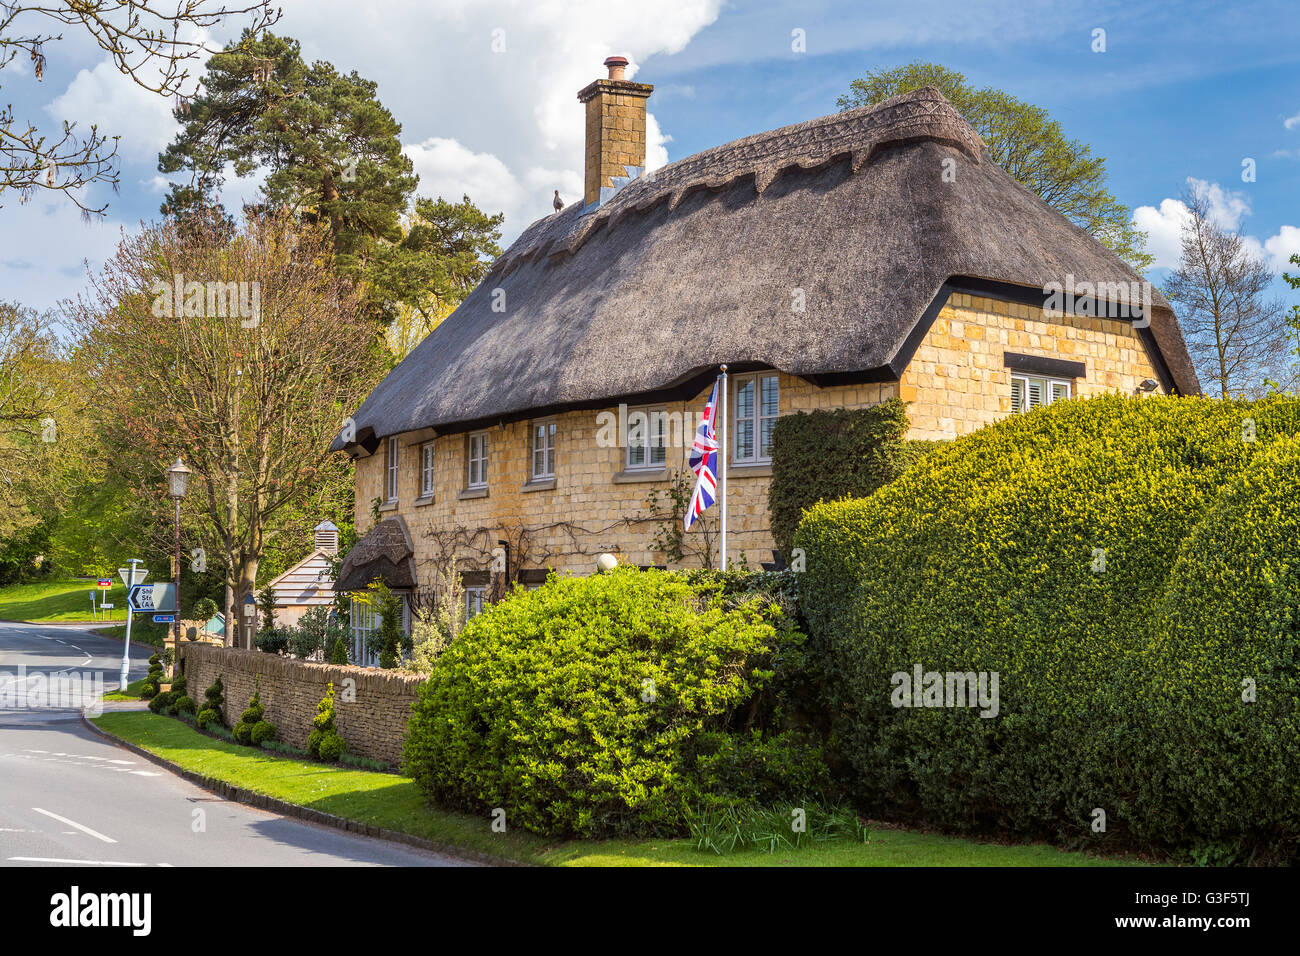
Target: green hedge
616 703
981 558
828 455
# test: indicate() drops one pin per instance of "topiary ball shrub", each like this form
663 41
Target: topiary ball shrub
148 690
577 706
162 703
183 705
261 731
250 719
1043 549
324 741
208 716
243 733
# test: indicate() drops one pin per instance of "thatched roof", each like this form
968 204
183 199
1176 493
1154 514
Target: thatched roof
697 263
384 553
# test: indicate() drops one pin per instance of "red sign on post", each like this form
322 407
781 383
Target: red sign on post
104 583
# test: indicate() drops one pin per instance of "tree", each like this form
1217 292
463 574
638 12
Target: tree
331 152
36 427
445 251
1236 338
1025 141
1293 320
240 354
143 39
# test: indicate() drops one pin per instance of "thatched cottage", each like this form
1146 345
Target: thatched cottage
873 253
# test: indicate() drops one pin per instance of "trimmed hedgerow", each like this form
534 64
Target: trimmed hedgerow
986 557
828 455
1219 684
589 705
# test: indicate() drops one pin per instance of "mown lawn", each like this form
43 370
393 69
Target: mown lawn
132 692
393 802
58 601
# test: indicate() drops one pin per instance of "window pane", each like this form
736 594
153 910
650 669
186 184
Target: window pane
745 439
765 446
745 399
1035 393
1017 394
770 401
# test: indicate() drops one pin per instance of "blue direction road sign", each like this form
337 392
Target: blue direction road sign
164 618
159 598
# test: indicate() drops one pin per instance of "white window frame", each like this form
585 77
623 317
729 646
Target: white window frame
756 419
392 460
652 414
1047 383
546 430
475 599
481 459
426 470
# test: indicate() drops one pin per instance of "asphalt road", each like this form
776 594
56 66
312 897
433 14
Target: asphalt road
69 798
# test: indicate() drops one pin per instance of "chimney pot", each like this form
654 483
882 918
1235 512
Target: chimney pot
617 67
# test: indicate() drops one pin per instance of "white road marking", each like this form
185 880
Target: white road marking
73 823
43 859
144 773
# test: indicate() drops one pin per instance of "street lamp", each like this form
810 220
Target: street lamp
178 479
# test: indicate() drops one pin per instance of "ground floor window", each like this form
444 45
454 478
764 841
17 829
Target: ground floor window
365 621
474 598
1029 392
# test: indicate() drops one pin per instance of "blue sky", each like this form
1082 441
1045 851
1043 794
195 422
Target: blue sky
1183 92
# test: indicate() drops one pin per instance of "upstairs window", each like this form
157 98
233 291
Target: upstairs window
647 438
390 485
1029 392
543 450
477 455
426 470
755 412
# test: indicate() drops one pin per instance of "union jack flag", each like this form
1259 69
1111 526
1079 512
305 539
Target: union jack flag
704 461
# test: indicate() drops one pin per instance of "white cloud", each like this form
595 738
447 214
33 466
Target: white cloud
1164 226
1291 122
1164 229
104 96
43 245
505 127
1282 247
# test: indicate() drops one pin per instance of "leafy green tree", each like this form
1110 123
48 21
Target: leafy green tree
331 151
1025 141
1293 320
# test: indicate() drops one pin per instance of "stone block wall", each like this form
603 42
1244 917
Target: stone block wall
374 724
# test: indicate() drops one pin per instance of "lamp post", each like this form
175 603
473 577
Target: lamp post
178 479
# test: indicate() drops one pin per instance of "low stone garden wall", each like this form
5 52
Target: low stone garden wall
373 723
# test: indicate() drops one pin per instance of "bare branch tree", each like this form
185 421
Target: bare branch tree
146 40
241 354
1236 337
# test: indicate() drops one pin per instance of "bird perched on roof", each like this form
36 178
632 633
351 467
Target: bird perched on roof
558 203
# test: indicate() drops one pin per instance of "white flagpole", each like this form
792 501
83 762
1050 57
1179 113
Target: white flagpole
722 462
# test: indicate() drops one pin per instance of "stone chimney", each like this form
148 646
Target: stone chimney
615 131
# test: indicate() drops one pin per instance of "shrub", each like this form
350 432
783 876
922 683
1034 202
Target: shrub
324 741
273 641
184 705
161 703
208 717
261 731
318 631
204 609
339 652
827 455
213 698
245 730
987 557
580 705
1217 685
148 689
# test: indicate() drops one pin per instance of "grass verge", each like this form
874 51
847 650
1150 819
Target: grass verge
54 601
393 802
132 692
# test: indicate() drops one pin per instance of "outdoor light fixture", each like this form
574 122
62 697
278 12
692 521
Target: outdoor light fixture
178 479
1148 385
